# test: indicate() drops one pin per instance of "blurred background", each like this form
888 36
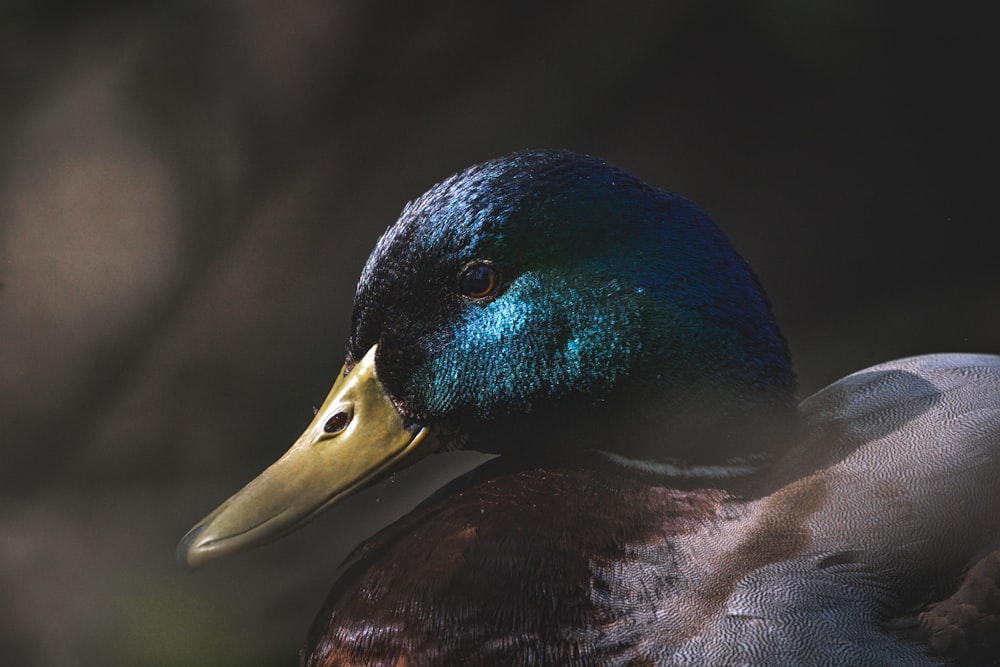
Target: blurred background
189 189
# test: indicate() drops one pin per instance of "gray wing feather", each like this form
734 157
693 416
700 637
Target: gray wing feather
906 457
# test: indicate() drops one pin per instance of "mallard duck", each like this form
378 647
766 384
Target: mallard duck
660 496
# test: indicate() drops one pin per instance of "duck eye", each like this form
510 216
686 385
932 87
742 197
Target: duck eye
336 423
479 280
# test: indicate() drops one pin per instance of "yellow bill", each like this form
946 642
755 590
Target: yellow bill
357 435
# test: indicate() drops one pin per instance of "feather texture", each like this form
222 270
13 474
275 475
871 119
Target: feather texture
549 566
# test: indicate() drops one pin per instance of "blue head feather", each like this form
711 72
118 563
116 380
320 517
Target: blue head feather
614 291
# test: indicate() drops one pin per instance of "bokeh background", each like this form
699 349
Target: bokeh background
188 191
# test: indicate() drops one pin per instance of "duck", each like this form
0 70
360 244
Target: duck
658 495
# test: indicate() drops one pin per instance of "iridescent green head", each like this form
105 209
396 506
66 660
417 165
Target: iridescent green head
551 286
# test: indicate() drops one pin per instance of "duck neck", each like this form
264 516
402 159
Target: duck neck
707 437
702 437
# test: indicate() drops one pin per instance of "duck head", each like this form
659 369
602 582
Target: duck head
539 305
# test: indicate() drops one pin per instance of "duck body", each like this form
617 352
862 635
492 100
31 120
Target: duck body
550 565
659 497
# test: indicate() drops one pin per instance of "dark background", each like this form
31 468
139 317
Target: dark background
188 191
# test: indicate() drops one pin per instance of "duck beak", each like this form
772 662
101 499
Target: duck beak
357 435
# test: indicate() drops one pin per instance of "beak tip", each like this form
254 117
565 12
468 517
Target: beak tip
189 554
